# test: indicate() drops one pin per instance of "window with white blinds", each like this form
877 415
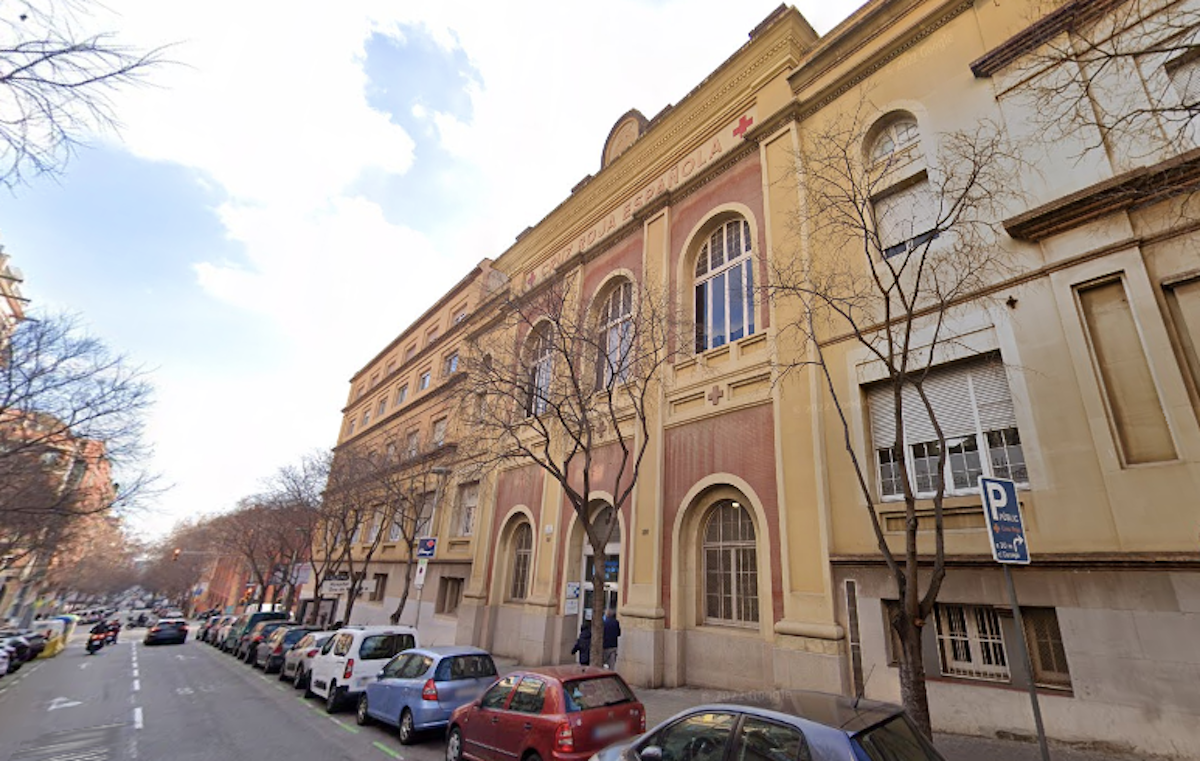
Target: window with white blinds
972 404
906 219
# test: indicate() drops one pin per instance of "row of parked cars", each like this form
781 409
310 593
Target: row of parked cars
18 647
557 713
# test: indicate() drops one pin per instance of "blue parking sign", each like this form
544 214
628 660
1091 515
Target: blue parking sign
426 546
1006 529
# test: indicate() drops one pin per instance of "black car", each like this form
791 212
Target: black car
270 652
253 638
167 631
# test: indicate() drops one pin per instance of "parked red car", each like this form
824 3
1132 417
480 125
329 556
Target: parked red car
559 713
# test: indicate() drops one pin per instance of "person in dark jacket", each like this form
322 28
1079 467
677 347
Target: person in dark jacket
583 644
612 634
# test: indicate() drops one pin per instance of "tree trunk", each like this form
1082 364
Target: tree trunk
408 574
351 596
912 676
598 561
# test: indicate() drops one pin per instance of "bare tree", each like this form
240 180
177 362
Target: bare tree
58 83
71 418
885 277
1121 75
567 388
259 532
301 488
356 514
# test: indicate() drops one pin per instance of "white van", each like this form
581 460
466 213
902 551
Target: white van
352 657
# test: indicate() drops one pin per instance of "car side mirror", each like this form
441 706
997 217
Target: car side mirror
379 675
651 753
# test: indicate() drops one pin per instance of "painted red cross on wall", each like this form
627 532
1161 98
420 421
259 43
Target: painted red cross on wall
743 125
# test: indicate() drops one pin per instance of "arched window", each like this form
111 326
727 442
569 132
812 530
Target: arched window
615 324
522 559
724 286
540 359
894 136
906 211
730 566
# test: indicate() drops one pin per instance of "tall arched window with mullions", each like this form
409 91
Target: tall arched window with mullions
724 286
730 566
522 544
615 323
539 358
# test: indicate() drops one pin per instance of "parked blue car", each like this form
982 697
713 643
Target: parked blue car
419 688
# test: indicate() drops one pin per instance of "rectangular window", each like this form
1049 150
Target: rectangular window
380 588
906 219
1184 73
396 532
413 444
423 383
391 367
468 501
973 405
438 437
1046 651
452 364
852 633
427 518
450 591
366 418
701 319
971 643
401 394
1134 407
716 323
350 430
382 407
737 327
1183 301
431 336
410 352
374 380
373 533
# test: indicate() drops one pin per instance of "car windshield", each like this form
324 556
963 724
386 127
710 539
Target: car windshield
894 740
582 694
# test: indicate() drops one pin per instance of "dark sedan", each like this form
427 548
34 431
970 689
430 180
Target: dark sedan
270 652
783 724
168 631
253 638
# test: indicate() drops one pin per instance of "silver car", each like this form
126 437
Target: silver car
781 724
297 662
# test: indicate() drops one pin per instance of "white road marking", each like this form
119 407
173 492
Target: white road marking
137 718
83 665
58 703
183 691
135 671
137 685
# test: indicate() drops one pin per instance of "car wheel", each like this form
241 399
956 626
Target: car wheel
361 717
454 745
407 730
282 676
298 679
308 693
332 698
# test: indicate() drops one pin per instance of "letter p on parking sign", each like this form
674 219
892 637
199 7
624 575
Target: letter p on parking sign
1006 529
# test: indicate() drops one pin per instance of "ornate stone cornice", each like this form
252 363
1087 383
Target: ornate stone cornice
718 98
803 78
1173 177
1066 18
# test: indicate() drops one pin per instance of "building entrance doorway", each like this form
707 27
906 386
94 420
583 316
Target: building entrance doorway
606 588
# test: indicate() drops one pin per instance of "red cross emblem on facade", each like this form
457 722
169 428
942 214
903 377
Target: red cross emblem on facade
743 125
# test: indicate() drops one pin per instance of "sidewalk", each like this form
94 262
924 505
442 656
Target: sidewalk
661 704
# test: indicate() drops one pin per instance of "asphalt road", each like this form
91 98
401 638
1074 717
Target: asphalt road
185 702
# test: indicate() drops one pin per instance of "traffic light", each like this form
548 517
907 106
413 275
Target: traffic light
175 555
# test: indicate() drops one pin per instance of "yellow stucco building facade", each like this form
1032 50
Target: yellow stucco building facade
746 557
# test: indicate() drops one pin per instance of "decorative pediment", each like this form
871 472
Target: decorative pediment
623 134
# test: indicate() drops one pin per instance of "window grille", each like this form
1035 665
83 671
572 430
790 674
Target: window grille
971 642
1046 651
522 558
730 566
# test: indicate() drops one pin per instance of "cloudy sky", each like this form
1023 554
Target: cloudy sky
310 177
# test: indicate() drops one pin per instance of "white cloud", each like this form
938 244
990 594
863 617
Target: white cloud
270 107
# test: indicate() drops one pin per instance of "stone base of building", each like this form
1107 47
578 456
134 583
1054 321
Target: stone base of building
1131 639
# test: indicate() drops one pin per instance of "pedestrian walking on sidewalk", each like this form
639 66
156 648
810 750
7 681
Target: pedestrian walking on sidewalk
583 644
612 635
